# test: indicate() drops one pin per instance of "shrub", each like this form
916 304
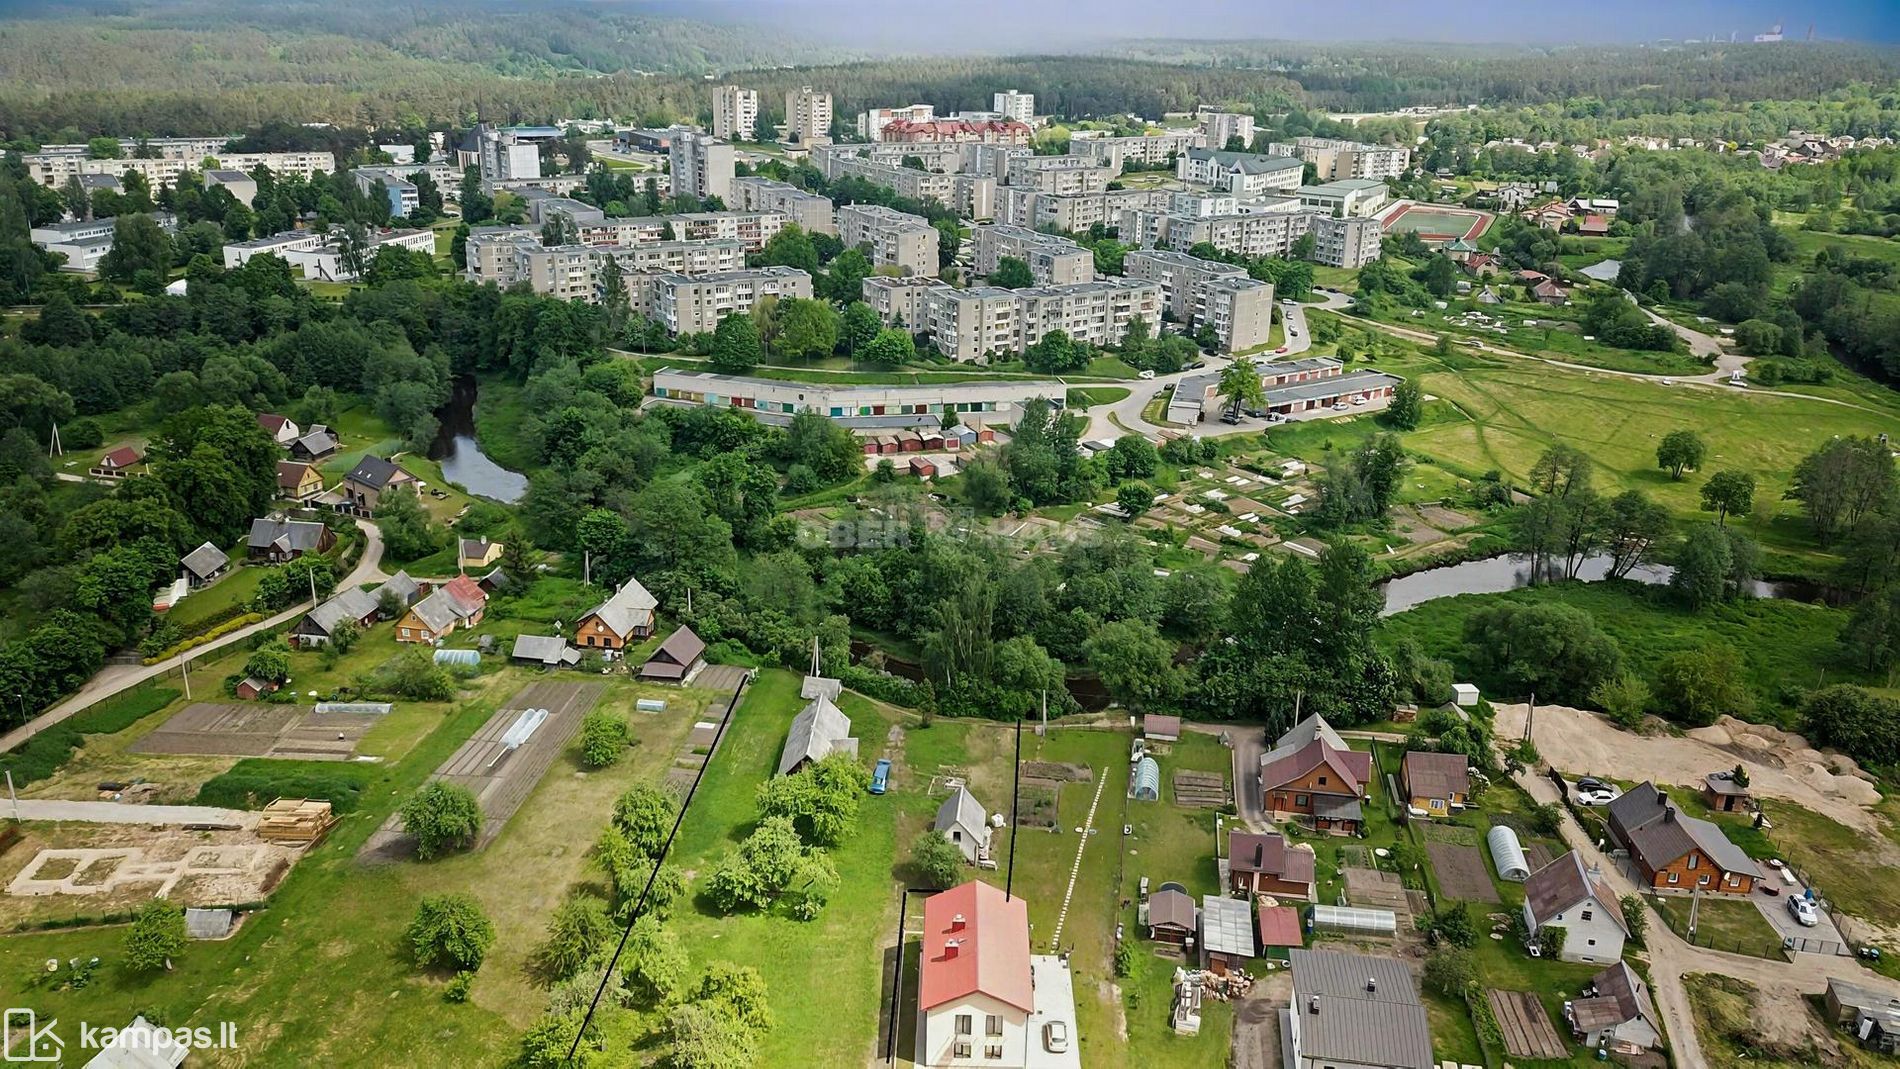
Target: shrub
1635 918
255 781
458 988
451 930
1125 958
1449 969
604 737
442 817
937 860
157 936
577 929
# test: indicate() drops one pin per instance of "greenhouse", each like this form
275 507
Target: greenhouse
1507 854
458 657
1147 780
1355 921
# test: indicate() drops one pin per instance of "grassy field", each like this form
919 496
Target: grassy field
234 589
1725 1010
1089 396
1557 336
1737 927
1786 646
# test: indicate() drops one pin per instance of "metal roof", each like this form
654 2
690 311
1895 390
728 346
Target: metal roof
1148 779
1227 926
205 560
819 729
1348 919
1358 1009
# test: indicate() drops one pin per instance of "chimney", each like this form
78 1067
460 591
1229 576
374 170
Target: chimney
956 923
1259 854
1372 984
1312 1006
1669 814
950 947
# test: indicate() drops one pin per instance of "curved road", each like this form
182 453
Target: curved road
114 678
1124 416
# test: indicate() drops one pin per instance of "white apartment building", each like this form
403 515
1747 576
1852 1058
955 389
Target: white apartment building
694 304
54 168
1223 126
1058 174
898 302
974 196
1148 150
1348 196
321 256
896 239
1338 242
1196 291
1244 174
971 325
808 116
752 228
1336 159
504 159
1013 105
1052 260
702 166
809 210
170 148
735 113
1076 212
871 123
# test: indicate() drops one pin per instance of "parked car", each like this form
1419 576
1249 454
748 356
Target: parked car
1598 793
1359 400
1280 350
1804 912
1055 1036
881 776
1230 419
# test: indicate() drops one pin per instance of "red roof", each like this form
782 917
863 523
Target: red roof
123 457
1594 224
1280 926
1353 767
975 941
271 421
466 591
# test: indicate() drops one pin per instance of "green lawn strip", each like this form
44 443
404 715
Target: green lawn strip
41 755
1785 645
1736 926
219 600
1089 396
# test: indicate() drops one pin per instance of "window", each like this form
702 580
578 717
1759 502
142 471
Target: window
1322 781
1674 878
993 1024
992 1050
1593 942
1694 859
1587 914
965 1023
405 632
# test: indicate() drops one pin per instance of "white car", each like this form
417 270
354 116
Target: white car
1148 374
1804 912
1055 1036
1599 794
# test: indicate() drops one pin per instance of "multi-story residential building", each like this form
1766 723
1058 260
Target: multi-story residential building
1148 150
55 168
1196 291
753 228
777 400
1347 196
169 148
1058 174
680 257
1222 127
694 304
871 123
974 324
564 272
702 166
506 159
898 302
1335 158
544 206
378 181
1244 174
809 210
1076 212
239 184
1018 106
896 239
807 116
961 131
1052 260
1338 242
974 196
489 252
1204 204
735 113
508 256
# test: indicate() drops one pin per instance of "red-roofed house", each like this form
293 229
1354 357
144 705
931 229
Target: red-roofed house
935 131
974 994
1310 774
118 463
1593 226
1279 929
1268 865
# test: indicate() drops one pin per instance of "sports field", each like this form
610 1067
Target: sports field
1433 223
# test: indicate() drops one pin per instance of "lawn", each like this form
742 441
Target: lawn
206 603
1089 396
1852 871
1722 923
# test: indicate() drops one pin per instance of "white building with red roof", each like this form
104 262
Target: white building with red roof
982 997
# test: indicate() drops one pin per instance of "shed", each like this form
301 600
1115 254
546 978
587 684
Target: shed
208 923
1507 854
1158 728
1723 794
1355 921
1171 916
458 657
1147 780
1464 694
1226 932
1279 929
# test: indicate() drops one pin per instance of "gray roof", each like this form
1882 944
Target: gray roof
319 440
1657 832
137 1046
962 810
1723 785
676 656
820 687
1303 732
208 923
818 730
374 471
1171 907
1246 162
1626 991
627 608
205 560
1563 884
545 649
403 586
1227 926
352 604
440 610
1863 999
1340 1020
298 535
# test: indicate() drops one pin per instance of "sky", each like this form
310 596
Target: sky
1015 25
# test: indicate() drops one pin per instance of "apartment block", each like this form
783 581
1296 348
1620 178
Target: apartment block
1348 196
1222 127
694 304
565 272
543 206
871 123
961 131
505 159
679 257
1347 242
1196 291
54 168
973 324
702 166
1052 260
752 228
1018 106
1336 159
1148 150
898 301
735 113
1059 174
1339 242
808 116
896 239
1077 212
810 211
1243 174
974 196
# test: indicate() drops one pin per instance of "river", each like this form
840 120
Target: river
462 459
1495 575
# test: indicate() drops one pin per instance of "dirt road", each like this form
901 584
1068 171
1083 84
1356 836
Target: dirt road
1580 742
119 813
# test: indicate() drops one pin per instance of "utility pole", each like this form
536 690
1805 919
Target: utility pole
1015 795
313 587
1043 730
12 796
587 567
184 669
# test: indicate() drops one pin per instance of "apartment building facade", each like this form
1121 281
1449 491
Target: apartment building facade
702 166
1243 174
1196 291
55 168
1335 158
872 121
1222 127
505 159
1148 150
896 239
898 302
974 196
1076 212
1052 260
1018 106
752 228
808 116
971 325
735 113
959 131
809 210
694 304
1338 242
1058 174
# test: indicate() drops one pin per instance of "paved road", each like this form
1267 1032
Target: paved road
118 813
1250 743
114 678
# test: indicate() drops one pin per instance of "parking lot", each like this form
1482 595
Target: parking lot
1824 937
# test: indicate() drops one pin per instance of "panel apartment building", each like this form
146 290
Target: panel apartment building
1076 212
971 325
959 131
1336 159
1345 243
1148 150
702 166
810 211
1052 260
694 304
896 239
753 228
1018 106
1197 291
872 121
55 168
1223 126
735 113
974 196
807 116
1058 174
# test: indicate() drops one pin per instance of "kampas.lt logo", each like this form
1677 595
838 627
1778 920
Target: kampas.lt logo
25 1039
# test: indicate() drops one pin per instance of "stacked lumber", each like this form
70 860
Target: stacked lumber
295 821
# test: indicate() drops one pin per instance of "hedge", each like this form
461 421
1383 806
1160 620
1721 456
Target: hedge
889 688
42 754
254 782
225 628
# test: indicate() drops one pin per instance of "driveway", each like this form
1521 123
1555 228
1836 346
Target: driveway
117 813
1249 744
1775 909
